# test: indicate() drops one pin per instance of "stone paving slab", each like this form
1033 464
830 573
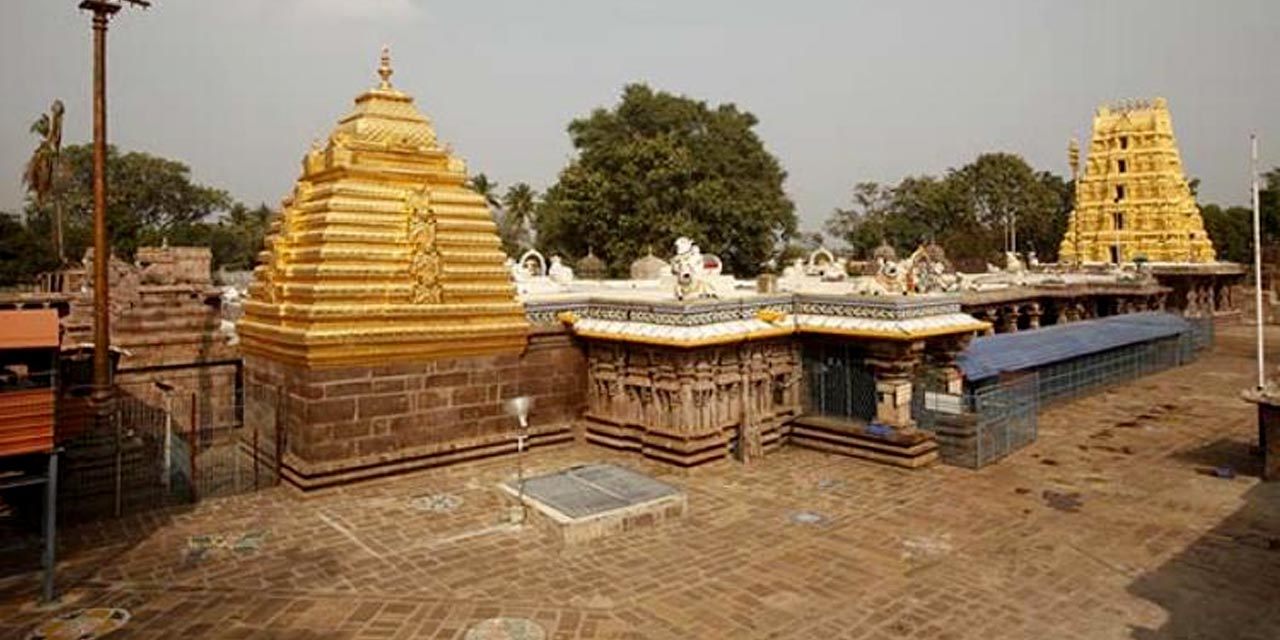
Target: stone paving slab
1109 526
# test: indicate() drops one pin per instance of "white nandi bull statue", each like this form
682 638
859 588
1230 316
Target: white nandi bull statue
693 279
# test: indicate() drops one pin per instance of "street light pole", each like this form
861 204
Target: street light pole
102 10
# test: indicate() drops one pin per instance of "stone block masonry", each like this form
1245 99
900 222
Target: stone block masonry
354 423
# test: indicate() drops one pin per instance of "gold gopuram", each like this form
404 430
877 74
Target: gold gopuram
382 253
1133 199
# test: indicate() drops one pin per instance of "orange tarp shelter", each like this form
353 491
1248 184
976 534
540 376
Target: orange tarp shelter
27 410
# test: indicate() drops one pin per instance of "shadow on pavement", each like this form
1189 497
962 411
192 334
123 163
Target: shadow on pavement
1225 584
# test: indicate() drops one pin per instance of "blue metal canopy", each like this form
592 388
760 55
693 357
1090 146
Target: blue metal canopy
989 356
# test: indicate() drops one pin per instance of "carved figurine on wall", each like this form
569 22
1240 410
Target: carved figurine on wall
560 272
518 272
794 270
534 264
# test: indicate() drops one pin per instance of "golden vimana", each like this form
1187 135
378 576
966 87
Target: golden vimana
1133 200
382 253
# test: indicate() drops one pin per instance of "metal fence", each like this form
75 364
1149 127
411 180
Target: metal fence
214 454
111 464
159 450
979 426
1202 332
997 416
1080 376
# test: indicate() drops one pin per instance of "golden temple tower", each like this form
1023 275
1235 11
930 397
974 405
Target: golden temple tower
382 253
1133 199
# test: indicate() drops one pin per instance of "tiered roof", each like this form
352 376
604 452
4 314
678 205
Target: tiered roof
382 253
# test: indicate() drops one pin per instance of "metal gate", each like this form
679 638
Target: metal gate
838 382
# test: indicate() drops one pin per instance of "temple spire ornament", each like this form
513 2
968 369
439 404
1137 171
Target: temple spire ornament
384 68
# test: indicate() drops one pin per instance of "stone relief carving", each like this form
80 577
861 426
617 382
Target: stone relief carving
693 392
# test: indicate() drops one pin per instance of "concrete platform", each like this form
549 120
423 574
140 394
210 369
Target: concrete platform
593 501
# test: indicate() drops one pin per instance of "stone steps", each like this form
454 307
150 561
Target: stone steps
909 450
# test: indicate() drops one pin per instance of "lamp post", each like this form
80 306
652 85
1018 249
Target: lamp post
518 407
102 10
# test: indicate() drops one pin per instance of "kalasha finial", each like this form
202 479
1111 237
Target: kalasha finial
384 68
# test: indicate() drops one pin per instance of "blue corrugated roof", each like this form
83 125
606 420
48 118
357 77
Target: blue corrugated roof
989 356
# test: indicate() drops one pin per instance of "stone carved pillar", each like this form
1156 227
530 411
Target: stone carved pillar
704 386
942 354
1009 319
893 364
688 417
750 447
989 317
1033 312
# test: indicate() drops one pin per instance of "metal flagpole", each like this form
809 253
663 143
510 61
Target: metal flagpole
102 395
1257 262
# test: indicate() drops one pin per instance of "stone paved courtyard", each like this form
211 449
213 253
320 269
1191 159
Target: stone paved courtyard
1110 526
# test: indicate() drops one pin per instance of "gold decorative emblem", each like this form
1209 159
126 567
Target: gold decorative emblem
424 265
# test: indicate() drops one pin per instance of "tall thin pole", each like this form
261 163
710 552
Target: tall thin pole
102 12
1013 232
1257 261
1073 159
50 558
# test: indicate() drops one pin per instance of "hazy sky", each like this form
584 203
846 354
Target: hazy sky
845 91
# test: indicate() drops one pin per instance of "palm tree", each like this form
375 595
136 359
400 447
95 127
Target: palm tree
519 205
481 184
40 175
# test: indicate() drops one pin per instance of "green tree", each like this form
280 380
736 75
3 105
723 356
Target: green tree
658 166
236 239
798 245
519 205
1045 235
864 225
1269 206
1231 228
23 254
1231 231
971 212
1007 195
149 199
481 184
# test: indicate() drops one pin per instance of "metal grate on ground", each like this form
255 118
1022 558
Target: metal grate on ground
591 490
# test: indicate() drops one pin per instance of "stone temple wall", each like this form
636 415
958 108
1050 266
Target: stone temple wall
687 406
166 319
354 423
